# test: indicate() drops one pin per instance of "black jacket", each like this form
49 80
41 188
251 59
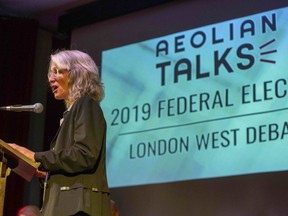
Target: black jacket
76 163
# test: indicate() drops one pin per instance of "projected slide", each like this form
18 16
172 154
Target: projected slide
203 103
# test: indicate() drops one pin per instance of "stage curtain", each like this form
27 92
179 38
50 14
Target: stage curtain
17 53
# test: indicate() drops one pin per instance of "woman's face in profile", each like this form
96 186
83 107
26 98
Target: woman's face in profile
58 79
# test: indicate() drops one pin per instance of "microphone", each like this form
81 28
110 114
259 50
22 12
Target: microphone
37 108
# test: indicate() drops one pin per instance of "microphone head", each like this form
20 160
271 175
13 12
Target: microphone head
38 108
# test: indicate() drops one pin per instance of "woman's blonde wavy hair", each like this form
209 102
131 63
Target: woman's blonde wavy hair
84 78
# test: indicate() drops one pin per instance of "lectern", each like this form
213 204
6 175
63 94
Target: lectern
11 159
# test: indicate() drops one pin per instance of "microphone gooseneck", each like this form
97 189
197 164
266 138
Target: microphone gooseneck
37 108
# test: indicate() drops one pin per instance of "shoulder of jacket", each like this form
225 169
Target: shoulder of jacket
85 100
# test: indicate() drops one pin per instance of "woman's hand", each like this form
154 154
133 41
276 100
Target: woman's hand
28 153
40 174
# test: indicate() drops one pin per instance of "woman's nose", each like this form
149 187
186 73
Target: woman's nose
51 79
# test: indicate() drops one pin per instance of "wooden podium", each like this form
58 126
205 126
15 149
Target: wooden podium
11 159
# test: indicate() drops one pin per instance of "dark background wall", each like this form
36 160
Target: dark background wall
17 42
21 81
